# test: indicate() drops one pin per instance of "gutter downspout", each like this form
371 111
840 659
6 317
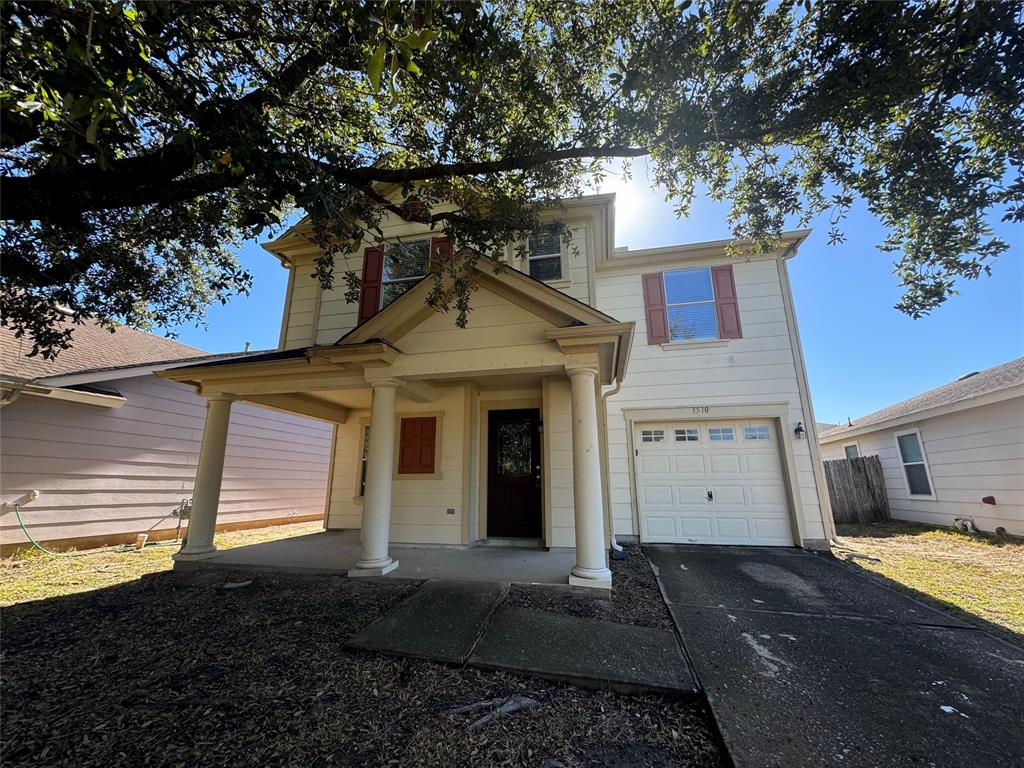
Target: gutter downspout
616 551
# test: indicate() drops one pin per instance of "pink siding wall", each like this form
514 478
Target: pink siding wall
106 471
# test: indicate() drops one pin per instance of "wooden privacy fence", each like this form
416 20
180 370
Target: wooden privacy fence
857 490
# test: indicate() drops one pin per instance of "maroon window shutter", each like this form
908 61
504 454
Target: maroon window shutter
440 249
725 303
416 446
654 309
373 274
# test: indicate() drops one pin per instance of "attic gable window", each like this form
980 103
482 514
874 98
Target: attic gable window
544 253
405 264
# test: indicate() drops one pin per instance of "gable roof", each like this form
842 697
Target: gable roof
965 388
533 295
95 349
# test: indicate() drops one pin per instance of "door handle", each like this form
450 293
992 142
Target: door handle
711 495
537 477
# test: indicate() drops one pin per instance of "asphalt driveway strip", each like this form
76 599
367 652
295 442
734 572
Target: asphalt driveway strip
805 663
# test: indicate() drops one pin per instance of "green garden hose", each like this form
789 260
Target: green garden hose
37 545
41 548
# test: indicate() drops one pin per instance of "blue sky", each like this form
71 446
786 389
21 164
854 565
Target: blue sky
861 353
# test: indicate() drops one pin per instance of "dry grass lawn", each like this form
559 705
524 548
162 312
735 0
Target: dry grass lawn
34 575
979 575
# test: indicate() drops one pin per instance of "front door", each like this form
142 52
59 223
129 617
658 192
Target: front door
513 474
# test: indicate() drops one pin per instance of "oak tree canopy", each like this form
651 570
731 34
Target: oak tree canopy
140 141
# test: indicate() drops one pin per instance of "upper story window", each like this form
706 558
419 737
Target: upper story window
544 253
851 450
690 302
405 264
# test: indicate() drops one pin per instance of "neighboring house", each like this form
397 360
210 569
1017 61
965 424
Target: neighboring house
650 394
956 451
112 449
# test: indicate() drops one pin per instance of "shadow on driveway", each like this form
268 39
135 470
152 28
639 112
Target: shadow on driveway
805 662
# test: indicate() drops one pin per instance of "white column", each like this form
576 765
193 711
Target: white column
591 569
374 559
206 494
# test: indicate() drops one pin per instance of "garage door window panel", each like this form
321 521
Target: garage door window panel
721 434
756 433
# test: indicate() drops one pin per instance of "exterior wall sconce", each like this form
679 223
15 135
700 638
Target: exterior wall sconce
799 431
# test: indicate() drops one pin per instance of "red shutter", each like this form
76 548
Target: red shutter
654 308
416 446
440 248
373 274
725 303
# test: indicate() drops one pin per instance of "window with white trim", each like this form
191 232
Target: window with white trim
652 435
721 434
756 433
851 450
687 435
690 304
544 255
915 467
405 264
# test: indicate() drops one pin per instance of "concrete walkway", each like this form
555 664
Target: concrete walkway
464 623
806 663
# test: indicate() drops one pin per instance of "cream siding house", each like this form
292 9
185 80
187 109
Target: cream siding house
112 449
953 452
597 392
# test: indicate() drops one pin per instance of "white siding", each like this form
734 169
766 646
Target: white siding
300 324
758 368
113 471
972 453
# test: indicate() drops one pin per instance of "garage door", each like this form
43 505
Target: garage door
715 482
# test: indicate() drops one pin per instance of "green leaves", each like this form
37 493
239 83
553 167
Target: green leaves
116 122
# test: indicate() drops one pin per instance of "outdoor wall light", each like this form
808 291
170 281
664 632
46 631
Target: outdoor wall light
799 431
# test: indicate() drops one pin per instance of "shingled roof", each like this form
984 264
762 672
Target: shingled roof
967 387
95 348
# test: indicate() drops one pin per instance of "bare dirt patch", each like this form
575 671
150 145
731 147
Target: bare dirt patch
174 669
635 598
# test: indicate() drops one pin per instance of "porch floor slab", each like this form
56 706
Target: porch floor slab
338 551
442 621
586 652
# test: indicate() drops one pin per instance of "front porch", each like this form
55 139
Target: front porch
444 436
337 552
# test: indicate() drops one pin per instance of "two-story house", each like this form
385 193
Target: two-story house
657 395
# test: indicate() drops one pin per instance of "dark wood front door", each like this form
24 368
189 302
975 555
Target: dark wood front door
513 474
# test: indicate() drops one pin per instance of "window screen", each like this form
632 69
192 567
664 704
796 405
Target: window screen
544 251
914 465
405 264
690 303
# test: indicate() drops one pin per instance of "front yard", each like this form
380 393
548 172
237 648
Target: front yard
213 668
980 576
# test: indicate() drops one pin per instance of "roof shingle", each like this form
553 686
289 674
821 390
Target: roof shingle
94 348
990 380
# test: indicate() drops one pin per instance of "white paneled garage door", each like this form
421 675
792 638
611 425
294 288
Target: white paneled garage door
714 482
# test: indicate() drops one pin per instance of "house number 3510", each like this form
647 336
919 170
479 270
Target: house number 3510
699 409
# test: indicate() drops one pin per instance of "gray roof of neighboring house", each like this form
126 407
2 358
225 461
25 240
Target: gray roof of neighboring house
973 385
824 426
96 349
93 347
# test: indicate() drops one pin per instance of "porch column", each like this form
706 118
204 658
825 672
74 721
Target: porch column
206 493
591 569
374 559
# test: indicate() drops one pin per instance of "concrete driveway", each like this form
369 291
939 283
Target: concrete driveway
806 663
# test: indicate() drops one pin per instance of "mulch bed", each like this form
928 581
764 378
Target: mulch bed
175 670
635 598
